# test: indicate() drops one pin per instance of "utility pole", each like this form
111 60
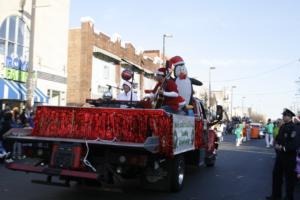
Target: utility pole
232 87
209 87
29 82
164 45
243 101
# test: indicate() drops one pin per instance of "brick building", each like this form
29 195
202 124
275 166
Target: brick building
96 60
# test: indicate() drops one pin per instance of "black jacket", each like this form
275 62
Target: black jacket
289 137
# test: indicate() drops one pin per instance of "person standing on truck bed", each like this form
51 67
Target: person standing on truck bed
166 88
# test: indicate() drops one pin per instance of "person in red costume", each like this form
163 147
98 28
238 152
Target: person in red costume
171 102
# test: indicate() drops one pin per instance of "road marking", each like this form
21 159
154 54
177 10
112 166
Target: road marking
248 151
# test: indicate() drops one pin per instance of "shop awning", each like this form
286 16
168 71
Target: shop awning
17 91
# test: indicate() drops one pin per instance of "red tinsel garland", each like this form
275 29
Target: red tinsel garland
128 125
198 134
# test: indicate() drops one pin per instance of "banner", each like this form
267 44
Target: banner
183 133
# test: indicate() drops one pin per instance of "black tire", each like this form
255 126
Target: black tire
177 173
195 158
210 160
173 178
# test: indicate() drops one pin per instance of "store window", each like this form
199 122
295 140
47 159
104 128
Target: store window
54 97
106 72
14 38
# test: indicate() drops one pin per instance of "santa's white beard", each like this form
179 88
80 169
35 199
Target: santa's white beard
184 87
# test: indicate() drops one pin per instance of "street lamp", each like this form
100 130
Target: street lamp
232 87
243 98
209 87
164 44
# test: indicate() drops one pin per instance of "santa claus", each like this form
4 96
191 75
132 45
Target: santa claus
183 82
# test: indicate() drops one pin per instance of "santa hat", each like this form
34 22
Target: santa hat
176 60
161 71
126 83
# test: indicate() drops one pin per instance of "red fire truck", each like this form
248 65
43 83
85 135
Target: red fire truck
110 143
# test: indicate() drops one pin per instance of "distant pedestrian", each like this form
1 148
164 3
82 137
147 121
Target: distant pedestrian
286 146
31 120
269 133
277 126
248 131
238 134
6 125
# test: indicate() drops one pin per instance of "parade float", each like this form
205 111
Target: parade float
113 141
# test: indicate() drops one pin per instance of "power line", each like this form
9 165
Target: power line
267 93
259 74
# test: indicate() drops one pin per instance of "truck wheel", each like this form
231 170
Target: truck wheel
210 160
176 173
169 177
195 158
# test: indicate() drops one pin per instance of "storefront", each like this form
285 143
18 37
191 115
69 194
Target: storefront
14 52
49 56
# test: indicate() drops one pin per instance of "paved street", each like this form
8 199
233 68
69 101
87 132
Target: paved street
240 173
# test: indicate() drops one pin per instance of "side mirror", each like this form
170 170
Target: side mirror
219 113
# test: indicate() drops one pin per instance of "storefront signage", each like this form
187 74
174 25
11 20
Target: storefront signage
16 75
16 63
15 69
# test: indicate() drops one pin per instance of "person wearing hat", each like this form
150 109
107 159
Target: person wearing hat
286 145
127 94
167 89
183 81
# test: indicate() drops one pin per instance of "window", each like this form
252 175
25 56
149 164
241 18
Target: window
14 38
21 33
20 50
12 28
54 97
11 48
106 72
2 47
3 30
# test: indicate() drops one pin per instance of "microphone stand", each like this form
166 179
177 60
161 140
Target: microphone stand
131 88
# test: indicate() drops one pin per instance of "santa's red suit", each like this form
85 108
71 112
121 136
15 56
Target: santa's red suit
170 92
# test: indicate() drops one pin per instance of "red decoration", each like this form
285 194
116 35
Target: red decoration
127 74
127 125
198 136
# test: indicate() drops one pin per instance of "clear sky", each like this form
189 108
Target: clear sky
254 44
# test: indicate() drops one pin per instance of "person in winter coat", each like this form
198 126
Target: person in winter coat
298 165
6 125
297 124
286 146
